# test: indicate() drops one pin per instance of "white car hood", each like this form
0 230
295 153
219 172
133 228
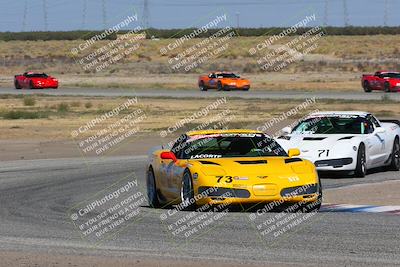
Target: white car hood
311 145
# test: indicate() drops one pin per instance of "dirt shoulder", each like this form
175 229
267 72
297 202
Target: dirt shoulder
44 149
54 118
383 193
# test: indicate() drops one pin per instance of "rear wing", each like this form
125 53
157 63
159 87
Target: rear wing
391 121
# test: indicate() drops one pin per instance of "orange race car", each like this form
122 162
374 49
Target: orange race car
223 81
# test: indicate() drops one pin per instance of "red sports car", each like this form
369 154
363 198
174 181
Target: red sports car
388 81
34 80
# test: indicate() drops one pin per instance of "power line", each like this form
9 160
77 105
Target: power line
146 14
24 16
45 15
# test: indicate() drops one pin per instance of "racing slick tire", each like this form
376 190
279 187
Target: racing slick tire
387 87
366 87
219 86
202 87
31 86
17 85
395 156
361 167
152 194
187 192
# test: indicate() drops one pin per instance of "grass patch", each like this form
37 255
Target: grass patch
76 104
29 101
23 115
9 96
88 105
63 107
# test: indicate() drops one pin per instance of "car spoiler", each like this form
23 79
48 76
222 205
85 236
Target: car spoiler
391 121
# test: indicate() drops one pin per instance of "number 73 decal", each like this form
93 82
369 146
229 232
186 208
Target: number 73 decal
227 179
321 152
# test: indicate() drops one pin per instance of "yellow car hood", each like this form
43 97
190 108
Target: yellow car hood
268 166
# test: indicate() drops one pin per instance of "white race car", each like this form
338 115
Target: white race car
345 141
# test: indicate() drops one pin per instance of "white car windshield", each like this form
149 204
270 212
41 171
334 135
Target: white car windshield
334 125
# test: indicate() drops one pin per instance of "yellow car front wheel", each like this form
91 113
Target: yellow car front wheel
187 192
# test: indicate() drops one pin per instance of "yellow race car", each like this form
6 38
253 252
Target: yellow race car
230 167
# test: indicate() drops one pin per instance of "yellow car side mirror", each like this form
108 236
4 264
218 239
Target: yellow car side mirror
293 152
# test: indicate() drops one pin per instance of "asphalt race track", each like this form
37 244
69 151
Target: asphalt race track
35 196
198 94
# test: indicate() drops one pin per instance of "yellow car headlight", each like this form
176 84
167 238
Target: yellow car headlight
302 168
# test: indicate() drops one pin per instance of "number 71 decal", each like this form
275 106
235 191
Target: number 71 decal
323 151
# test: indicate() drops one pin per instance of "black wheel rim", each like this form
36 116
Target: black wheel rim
396 154
186 189
151 188
362 161
366 87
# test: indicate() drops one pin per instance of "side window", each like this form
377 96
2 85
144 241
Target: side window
375 122
178 147
369 126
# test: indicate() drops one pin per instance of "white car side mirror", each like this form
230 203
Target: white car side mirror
287 130
380 130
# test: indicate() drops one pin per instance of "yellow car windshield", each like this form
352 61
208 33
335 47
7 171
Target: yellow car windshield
230 145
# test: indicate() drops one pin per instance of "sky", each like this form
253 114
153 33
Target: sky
64 15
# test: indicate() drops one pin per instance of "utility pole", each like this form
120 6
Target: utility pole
45 15
24 16
84 10
146 14
386 13
326 13
345 13
103 3
237 20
